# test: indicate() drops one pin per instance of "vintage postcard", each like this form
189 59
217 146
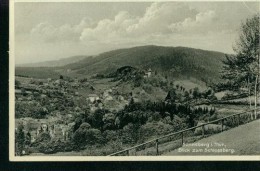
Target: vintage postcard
134 80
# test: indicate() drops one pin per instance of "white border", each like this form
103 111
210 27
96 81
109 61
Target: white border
12 156
134 1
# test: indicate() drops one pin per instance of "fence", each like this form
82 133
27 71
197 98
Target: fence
179 137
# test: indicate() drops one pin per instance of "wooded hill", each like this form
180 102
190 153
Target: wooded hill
178 62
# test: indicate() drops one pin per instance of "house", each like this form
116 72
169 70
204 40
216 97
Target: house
18 91
107 93
49 80
148 73
57 83
93 97
108 98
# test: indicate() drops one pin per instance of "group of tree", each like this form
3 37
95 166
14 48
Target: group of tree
241 71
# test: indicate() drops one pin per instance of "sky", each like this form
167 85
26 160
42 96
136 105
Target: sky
54 30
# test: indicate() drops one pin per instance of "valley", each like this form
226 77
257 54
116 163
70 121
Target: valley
103 104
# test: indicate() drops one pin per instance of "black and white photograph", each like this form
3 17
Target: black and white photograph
134 80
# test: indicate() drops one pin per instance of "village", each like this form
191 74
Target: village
55 110
59 101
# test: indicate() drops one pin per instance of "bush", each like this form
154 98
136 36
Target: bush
96 119
19 139
154 117
148 88
17 83
151 129
94 136
55 146
43 137
130 133
110 135
231 122
79 136
85 135
109 121
178 123
30 109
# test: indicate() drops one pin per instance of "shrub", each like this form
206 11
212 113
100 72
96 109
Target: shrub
55 146
148 88
85 135
79 136
94 136
95 119
151 129
30 109
130 133
19 139
17 83
178 123
109 121
43 137
154 117
110 135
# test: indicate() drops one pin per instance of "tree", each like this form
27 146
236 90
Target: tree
130 133
171 96
27 140
85 135
109 121
97 118
20 139
196 92
78 122
43 137
17 83
79 136
242 69
186 95
23 91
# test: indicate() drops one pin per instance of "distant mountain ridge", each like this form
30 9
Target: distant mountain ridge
54 63
174 62
170 61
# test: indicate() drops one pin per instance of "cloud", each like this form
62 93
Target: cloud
159 16
107 30
211 26
156 20
202 23
159 19
48 33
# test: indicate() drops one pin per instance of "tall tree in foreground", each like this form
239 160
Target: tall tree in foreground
19 138
242 70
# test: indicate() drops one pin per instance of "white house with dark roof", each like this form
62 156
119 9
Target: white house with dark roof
93 97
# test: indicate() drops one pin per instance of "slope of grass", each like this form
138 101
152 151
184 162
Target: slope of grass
244 140
37 72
